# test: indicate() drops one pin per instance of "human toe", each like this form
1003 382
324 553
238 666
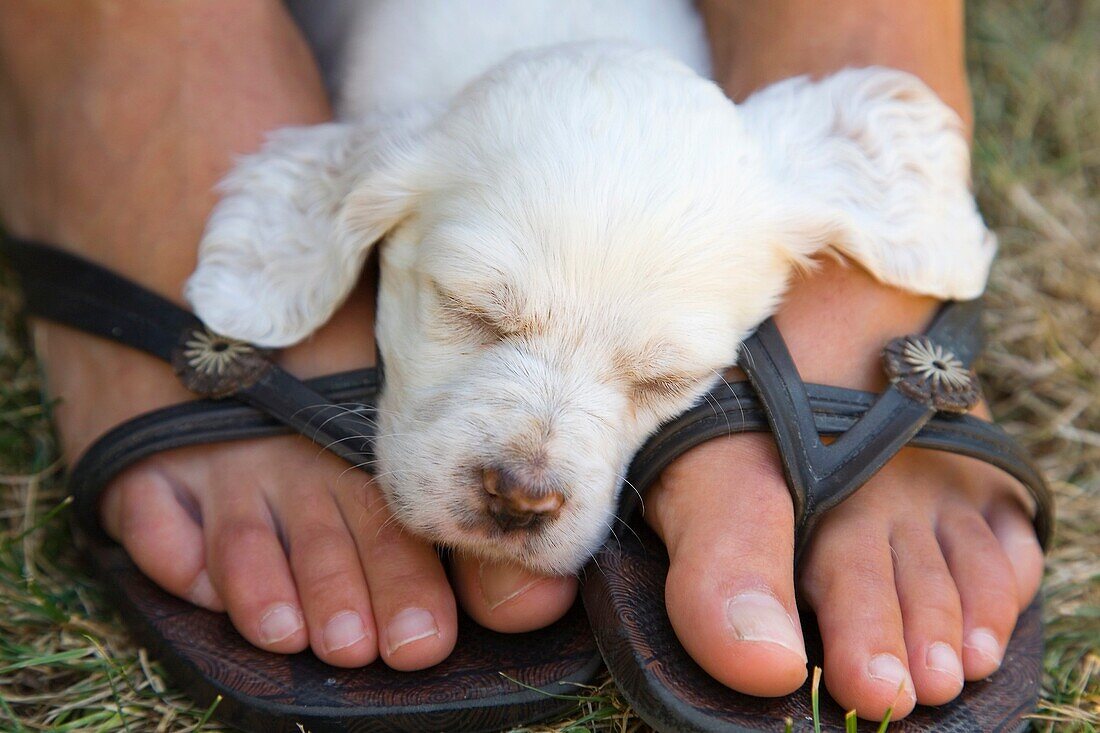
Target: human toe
331 583
1016 535
931 612
249 569
987 589
509 598
150 515
849 581
411 599
729 591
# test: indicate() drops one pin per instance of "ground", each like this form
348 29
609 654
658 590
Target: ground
66 664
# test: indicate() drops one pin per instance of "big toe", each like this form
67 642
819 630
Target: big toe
729 592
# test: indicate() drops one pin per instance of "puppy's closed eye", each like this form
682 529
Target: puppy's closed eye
656 373
470 318
487 317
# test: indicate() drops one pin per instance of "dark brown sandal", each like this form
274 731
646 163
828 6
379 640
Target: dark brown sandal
931 389
491 681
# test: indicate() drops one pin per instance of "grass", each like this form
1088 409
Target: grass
66 665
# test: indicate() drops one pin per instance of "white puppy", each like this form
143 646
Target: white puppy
579 229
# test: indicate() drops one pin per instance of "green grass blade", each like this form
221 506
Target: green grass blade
815 699
576 698
209 712
890 710
11 716
39 523
46 659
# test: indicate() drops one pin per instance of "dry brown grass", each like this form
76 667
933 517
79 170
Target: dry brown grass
65 663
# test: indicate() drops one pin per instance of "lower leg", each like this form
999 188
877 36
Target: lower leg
113 143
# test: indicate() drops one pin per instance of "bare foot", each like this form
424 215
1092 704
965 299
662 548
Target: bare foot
916 580
110 145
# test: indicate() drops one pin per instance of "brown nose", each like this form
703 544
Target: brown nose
514 504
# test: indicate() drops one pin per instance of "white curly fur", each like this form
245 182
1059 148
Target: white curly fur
621 223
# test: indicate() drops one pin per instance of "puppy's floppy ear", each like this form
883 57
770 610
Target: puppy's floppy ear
286 243
869 162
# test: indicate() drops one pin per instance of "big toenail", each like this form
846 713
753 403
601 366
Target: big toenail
503 583
942 658
888 668
412 624
985 644
279 622
758 617
343 630
202 592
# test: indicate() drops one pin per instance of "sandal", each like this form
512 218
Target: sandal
490 681
931 387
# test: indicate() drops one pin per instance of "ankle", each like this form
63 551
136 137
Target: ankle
837 319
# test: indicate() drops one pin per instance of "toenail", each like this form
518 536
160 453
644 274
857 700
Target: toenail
888 668
985 644
279 622
942 658
412 624
202 592
504 583
343 630
758 617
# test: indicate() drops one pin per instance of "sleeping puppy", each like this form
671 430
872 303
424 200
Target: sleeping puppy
577 230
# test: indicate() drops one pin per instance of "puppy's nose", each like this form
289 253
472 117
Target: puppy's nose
514 504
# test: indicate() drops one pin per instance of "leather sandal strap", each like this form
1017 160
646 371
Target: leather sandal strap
930 379
72 291
69 290
215 421
868 429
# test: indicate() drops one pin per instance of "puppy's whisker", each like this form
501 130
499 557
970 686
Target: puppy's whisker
391 436
395 523
328 446
614 536
736 398
361 466
379 476
596 562
641 499
626 524
345 411
337 441
392 519
341 410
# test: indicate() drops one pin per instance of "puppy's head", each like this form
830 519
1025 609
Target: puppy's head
586 237
574 250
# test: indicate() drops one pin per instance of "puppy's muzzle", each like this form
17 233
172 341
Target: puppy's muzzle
516 504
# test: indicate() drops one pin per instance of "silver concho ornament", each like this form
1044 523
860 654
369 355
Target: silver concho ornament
212 365
925 371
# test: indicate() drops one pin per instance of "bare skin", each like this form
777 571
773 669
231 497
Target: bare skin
106 150
916 580
110 145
